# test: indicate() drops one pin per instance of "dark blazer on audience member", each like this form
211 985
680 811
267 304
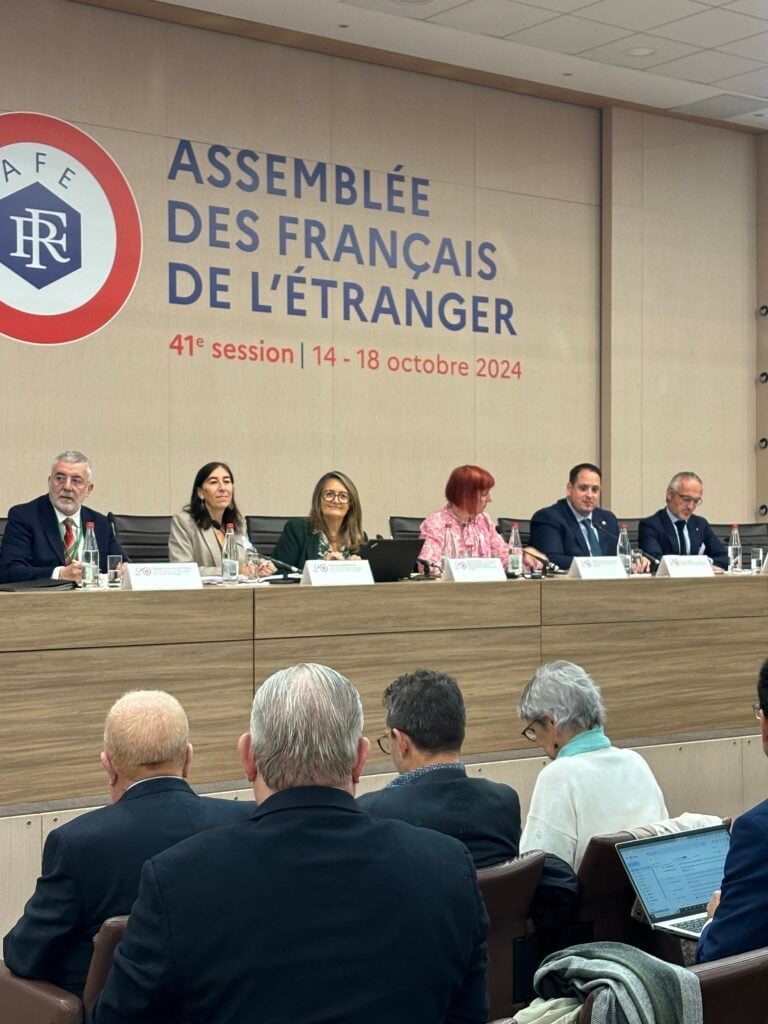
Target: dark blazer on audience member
310 911
740 922
556 532
32 545
657 536
91 868
484 815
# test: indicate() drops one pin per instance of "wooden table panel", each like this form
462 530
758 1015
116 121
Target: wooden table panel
566 601
52 709
667 677
57 619
488 664
285 611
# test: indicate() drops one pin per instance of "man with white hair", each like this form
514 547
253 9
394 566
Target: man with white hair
44 537
676 530
91 864
312 910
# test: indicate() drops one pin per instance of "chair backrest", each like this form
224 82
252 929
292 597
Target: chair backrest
36 1002
3 522
508 891
142 538
405 527
504 526
607 895
264 532
104 942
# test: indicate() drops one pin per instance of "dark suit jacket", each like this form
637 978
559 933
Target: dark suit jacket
312 912
91 868
657 535
484 815
556 532
297 543
32 544
740 922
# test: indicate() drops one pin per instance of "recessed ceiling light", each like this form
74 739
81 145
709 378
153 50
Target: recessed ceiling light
408 3
639 51
342 26
759 115
567 74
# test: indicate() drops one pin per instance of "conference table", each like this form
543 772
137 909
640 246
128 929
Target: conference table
675 658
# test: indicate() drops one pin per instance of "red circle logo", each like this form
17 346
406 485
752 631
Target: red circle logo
70 232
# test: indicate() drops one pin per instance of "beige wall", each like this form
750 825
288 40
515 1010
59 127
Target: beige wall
678 285
679 319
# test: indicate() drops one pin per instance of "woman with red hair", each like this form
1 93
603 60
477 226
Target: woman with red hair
461 529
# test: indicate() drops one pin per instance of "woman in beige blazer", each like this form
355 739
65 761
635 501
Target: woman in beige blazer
198 532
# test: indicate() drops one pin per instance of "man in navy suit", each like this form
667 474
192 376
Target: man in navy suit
312 910
43 538
425 730
576 526
740 922
675 530
91 864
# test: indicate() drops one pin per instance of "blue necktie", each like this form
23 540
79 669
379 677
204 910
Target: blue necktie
680 526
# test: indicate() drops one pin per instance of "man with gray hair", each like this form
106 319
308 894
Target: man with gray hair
91 864
44 537
312 910
675 530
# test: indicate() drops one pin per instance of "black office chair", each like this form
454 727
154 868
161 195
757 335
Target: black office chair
633 526
405 527
142 538
504 526
3 522
264 532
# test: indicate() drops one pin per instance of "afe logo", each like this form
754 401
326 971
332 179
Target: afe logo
70 233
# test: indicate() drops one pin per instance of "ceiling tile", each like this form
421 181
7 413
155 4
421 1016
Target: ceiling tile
639 16
756 47
755 119
568 35
420 10
754 82
711 28
724 105
561 6
493 17
616 53
757 8
707 66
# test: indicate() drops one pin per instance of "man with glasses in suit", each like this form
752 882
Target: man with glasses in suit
676 530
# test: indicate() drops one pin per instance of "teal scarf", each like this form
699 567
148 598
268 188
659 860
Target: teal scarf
584 742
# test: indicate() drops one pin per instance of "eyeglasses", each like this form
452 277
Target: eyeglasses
529 734
385 743
61 479
758 711
341 496
688 500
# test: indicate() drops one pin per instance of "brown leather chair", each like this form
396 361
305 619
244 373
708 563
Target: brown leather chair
508 891
23 1001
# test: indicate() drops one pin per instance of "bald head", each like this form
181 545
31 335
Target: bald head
146 733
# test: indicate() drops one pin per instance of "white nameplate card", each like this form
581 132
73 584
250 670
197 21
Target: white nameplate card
685 565
597 567
161 576
473 570
354 572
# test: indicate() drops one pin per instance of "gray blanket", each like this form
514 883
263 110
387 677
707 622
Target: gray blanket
632 986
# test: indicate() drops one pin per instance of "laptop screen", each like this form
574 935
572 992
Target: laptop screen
676 875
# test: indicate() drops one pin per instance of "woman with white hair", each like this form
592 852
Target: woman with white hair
591 787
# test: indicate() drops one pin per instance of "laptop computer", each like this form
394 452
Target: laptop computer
391 560
675 875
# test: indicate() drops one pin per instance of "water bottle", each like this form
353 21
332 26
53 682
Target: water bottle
229 566
449 546
624 549
734 550
89 559
515 552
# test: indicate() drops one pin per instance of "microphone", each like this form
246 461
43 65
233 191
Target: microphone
283 565
615 537
428 565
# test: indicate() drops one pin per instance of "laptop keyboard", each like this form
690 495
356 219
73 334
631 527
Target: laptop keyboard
693 925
